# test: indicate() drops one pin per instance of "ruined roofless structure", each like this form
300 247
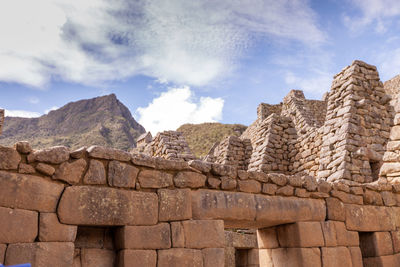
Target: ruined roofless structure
309 183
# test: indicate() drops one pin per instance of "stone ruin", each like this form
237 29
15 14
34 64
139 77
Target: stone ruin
309 183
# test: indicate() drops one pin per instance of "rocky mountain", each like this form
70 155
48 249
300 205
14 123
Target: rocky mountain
201 137
98 121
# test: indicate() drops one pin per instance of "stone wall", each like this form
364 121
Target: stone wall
1 119
104 206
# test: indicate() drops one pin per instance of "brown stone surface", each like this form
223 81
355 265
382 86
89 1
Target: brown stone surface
329 232
23 147
356 257
9 158
396 241
228 183
122 174
174 204
18 226
345 237
154 179
90 237
369 218
177 235
336 257
85 205
96 174
92 257
240 240
52 155
51 230
45 169
335 209
249 186
144 237
267 238
3 248
376 244
137 258
296 257
78 153
26 168
382 261
28 192
269 189
301 234
108 153
189 179
58 254
213 257
230 256
196 230
70 172
179 257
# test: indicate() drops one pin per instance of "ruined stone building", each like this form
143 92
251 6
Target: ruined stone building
309 183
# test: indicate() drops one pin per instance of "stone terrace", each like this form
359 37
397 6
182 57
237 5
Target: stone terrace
99 206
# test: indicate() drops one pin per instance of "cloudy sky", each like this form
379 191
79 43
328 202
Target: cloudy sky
179 61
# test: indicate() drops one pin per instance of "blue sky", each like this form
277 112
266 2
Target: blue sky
178 61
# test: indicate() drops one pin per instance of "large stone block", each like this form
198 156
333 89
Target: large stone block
175 204
335 209
144 237
3 248
132 258
108 153
213 257
70 172
58 254
155 179
228 206
51 230
96 173
29 192
369 218
336 257
240 240
275 210
382 261
177 235
179 257
196 230
9 158
345 237
189 179
122 174
356 257
86 205
267 238
296 257
376 244
93 257
52 155
90 237
301 234
18 226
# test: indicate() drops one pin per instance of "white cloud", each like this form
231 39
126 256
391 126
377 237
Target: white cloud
21 113
319 83
178 106
180 41
50 109
373 12
33 100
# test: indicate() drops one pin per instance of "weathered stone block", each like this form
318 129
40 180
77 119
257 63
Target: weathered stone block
90 237
196 230
301 234
179 257
329 231
52 155
70 172
345 237
144 237
122 174
10 158
177 235
96 173
108 153
23 147
396 241
296 257
267 238
51 230
336 257
18 226
45 169
58 254
26 168
382 261
3 248
28 192
175 204
240 240
86 205
93 257
189 179
213 257
154 179
369 218
335 209
249 186
376 244
131 258
356 257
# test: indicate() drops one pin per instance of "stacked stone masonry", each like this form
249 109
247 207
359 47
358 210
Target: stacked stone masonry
100 206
